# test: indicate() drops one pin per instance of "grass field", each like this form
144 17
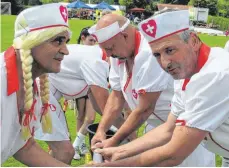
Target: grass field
7 33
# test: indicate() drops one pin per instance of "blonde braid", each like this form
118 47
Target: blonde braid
27 61
25 43
46 119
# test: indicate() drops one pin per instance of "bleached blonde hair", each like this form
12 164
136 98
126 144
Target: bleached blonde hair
24 44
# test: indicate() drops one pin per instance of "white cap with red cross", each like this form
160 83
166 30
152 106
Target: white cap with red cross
41 17
164 25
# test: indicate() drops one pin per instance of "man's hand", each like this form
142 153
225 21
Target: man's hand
105 144
98 138
111 154
111 142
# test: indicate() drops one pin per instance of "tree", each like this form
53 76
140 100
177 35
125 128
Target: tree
125 2
128 3
16 6
210 4
34 2
180 2
46 1
140 3
223 8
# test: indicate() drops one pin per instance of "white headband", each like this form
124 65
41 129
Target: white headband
165 24
108 32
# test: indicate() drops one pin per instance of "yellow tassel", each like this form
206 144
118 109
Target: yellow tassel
25 131
46 123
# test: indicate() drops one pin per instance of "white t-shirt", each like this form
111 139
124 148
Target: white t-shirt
84 66
147 76
227 46
204 103
11 140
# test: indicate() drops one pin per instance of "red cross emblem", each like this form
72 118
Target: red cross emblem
134 93
64 13
150 28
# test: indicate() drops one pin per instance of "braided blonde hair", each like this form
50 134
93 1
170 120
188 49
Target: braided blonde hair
25 43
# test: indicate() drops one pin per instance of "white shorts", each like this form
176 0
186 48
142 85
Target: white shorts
59 125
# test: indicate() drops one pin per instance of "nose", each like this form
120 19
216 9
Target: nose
165 62
64 50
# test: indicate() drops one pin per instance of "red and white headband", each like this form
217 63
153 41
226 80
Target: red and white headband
108 32
164 25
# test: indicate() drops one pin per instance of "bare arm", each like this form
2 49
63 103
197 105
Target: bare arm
32 155
138 116
170 154
98 97
155 138
112 110
112 114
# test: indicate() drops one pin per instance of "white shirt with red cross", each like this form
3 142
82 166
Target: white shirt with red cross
147 76
203 101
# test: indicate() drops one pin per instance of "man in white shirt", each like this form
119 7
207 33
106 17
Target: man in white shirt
136 77
39 47
83 72
199 111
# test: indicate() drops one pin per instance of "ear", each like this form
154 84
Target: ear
125 35
195 42
83 38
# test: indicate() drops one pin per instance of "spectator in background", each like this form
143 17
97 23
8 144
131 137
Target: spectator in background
85 38
142 16
136 20
226 33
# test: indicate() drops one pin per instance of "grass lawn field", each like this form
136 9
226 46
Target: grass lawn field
7 33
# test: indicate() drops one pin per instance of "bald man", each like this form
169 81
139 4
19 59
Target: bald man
147 94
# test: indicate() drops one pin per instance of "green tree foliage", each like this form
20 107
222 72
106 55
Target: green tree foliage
128 3
16 6
180 2
34 2
48 1
210 4
140 3
221 22
98 1
223 8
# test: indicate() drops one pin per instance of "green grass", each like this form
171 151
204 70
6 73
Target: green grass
214 41
7 32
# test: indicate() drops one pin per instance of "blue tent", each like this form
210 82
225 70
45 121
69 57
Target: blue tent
104 5
78 4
